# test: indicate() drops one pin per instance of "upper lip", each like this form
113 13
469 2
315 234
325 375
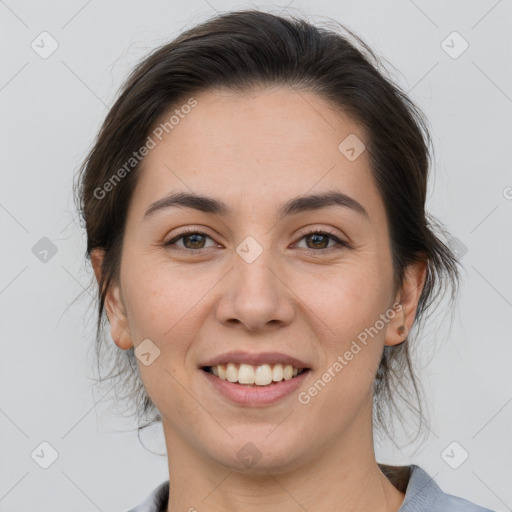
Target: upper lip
255 359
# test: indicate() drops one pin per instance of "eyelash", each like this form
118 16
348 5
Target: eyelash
312 252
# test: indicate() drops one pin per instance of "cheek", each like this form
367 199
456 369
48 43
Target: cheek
352 305
161 307
154 300
347 299
164 303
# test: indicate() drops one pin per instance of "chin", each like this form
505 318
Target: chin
257 451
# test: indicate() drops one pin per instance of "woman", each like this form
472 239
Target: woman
255 215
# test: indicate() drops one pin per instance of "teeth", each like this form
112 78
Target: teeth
288 372
231 373
246 374
262 375
277 373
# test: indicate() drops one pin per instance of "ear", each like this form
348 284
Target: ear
114 306
406 302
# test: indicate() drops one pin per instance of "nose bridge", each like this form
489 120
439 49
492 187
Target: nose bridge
253 263
256 296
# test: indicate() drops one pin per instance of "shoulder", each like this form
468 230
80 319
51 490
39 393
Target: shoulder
423 494
156 501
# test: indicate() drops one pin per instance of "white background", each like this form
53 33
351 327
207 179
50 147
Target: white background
51 110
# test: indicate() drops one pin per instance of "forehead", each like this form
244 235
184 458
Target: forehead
256 149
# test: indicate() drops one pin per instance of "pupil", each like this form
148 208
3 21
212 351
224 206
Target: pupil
316 237
195 237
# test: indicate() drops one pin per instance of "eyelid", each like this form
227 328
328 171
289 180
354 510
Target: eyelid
340 243
325 230
304 232
184 233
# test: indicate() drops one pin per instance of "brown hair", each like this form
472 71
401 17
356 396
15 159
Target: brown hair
242 51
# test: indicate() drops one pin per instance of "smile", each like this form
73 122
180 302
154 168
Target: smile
250 375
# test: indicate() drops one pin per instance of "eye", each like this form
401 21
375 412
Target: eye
320 239
193 241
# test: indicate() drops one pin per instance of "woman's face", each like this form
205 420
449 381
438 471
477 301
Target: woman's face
259 283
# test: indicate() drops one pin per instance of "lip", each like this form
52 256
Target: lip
255 359
255 395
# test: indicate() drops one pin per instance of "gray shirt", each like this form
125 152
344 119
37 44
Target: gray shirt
422 494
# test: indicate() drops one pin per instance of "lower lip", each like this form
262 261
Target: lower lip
255 395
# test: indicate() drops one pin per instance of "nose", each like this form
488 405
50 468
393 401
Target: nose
256 295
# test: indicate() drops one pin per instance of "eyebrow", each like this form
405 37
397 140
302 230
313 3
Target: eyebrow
291 207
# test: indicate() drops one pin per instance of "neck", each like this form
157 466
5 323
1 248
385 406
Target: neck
342 477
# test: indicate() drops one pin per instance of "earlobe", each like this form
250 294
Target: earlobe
114 306
117 319
408 299
397 330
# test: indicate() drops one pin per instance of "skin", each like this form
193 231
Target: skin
254 151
